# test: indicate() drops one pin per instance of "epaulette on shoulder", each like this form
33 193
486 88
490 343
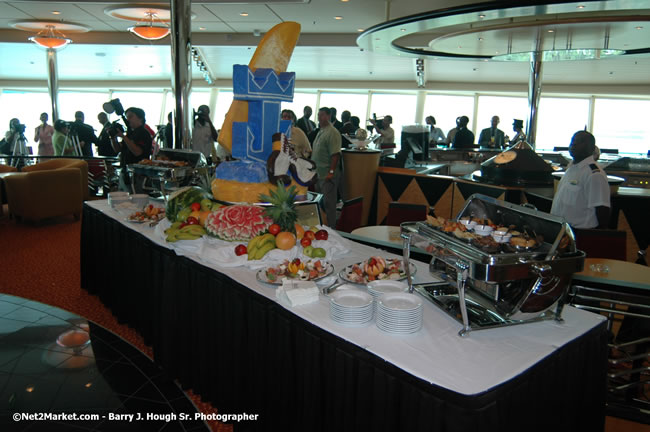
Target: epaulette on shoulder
594 168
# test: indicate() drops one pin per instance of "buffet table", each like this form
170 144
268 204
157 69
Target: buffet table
223 334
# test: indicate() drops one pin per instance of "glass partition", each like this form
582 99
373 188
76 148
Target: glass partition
356 103
150 102
26 107
300 100
90 103
622 124
400 106
445 109
507 108
558 120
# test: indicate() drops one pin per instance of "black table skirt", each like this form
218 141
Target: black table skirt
244 353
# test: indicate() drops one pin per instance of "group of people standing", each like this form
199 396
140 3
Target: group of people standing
461 137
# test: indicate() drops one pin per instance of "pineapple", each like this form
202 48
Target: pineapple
282 209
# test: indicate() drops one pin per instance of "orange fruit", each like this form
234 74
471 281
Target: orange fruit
285 240
300 231
203 216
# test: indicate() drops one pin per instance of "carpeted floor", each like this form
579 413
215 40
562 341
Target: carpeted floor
41 262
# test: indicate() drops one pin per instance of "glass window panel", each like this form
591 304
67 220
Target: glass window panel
356 103
506 107
150 102
198 98
400 106
26 107
224 100
90 103
558 120
622 124
300 100
445 109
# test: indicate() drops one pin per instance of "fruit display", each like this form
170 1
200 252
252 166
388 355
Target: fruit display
184 231
150 213
297 269
375 268
283 208
237 222
260 246
183 199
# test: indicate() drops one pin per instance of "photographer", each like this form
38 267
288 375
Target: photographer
204 134
104 144
85 132
62 146
136 144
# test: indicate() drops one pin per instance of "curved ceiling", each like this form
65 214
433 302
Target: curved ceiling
327 51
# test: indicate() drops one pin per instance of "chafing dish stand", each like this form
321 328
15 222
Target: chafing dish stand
485 289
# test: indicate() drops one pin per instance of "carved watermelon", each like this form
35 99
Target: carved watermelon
237 222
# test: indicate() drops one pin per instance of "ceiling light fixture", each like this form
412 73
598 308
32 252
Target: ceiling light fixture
359 30
50 38
56 13
150 30
580 7
201 28
481 16
244 14
638 27
338 17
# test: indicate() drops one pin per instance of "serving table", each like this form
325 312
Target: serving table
223 334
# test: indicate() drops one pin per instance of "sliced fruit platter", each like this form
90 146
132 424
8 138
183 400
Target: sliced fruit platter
295 269
375 268
151 213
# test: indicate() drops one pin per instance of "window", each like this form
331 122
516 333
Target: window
622 124
356 103
300 100
90 103
558 120
400 106
445 108
224 100
150 102
26 107
507 108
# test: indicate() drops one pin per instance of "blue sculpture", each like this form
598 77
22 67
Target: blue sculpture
264 90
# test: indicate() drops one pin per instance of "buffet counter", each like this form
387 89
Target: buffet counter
222 333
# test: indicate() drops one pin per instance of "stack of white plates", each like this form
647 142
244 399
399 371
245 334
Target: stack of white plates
399 313
351 307
380 287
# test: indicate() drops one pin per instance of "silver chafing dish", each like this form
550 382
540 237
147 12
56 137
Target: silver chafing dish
490 288
170 170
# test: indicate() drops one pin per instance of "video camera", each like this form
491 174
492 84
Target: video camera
114 128
20 128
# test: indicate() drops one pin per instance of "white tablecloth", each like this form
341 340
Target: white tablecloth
436 353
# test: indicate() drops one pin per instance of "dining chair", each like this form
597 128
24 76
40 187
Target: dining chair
405 212
351 212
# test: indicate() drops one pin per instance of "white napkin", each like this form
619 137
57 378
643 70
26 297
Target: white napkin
297 292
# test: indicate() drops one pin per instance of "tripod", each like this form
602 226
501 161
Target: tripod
19 149
73 138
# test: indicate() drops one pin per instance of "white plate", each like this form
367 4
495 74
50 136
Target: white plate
261 275
400 302
343 274
351 299
377 288
395 331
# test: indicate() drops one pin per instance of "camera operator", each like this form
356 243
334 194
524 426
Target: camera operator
204 134
62 146
136 144
104 144
11 136
85 132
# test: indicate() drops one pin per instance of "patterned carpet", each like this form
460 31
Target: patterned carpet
41 262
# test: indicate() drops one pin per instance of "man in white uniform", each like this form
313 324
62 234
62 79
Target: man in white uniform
582 196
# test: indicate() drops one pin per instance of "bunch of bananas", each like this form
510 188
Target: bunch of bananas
260 246
188 232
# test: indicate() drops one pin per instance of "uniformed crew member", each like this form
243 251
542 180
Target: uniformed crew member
582 196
